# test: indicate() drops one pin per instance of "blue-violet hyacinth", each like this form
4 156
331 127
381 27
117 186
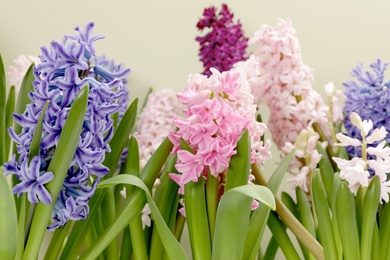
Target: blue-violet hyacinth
65 68
370 99
225 44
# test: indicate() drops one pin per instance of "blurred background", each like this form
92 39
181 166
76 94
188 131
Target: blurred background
156 39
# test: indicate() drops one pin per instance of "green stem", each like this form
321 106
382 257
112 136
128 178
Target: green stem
281 237
212 191
57 241
198 226
126 248
138 239
108 214
180 221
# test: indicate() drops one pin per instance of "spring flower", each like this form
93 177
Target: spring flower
65 68
286 84
369 97
218 109
359 170
156 121
336 101
305 160
225 44
17 71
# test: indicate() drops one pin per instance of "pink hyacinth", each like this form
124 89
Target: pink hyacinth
218 109
17 71
156 121
285 84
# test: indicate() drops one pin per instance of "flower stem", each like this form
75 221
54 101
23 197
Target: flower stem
212 191
138 239
57 241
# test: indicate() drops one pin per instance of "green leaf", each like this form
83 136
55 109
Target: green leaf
59 165
36 140
326 171
305 217
23 98
8 220
226 245
384 233
165 198
120 137
10 107
197 222
259 217
325 229
370 206
281 237
238 175
239 166
3 91
346 220
172 246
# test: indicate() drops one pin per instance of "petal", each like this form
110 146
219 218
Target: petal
346 140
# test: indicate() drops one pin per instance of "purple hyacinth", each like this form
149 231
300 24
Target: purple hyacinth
369 98
225 44
65 68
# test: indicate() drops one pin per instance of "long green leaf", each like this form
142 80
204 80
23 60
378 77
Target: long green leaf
259 217
3 91
197 221
325 229
370 206
237 175
8 220
384 233
225 245
346 220
23 99
239 166
172 246
281 237
301 211
10 107
121 136
59 165
326 171
36 140
165 198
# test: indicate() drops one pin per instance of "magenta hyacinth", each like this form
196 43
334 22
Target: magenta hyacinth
224 44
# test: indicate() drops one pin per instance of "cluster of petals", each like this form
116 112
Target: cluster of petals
305 160
66 67
336 103
285 84
356 171
156 121
18 69
217 110
368 96
224 44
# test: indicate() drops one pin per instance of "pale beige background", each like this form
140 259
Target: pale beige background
156 38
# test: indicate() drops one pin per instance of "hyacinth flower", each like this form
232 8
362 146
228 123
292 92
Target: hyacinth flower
17 70
356 170
64 69
224 42
218 110
368 97
286 84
